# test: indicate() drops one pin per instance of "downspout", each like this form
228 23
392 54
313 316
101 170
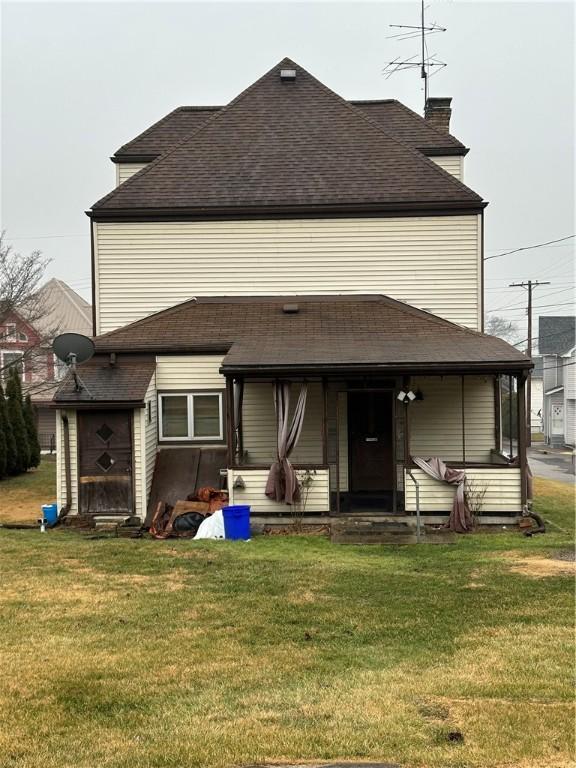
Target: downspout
68 469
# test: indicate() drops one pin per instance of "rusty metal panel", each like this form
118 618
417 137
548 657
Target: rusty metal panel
175 477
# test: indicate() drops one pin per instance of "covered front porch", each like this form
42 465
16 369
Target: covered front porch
360 433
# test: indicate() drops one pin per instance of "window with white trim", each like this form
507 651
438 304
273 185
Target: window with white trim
190 416
11 334
10 359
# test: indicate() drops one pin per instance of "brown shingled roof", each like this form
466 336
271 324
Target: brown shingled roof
125 382
326 332
285 146
395 118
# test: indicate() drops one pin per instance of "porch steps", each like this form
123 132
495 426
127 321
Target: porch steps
359 531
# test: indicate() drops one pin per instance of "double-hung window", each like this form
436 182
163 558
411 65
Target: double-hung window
193 416
10 360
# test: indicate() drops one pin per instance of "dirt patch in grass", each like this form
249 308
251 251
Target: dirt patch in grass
538 567
21 497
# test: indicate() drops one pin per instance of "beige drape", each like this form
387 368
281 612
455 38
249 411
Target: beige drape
282 484
460 519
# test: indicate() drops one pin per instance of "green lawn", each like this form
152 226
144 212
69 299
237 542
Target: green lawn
141 654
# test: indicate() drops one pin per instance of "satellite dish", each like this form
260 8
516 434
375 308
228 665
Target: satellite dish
73 348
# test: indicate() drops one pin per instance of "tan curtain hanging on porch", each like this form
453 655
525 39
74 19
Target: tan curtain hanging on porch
460 519
282 484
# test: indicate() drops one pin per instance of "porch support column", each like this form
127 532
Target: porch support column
230 421
497 413
462 397
522 435
407 456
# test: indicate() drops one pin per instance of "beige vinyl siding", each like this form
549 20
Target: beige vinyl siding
452 164
570 422
259 424
436 421
125 170
151 435
502 484
138 462
253 495
189 372
432 262
60 463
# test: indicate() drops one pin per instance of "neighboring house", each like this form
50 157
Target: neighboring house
557 339
292 237
537 397
28 345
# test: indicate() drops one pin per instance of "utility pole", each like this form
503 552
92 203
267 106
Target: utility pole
529 285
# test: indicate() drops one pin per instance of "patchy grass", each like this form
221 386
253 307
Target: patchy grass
21 497
144 654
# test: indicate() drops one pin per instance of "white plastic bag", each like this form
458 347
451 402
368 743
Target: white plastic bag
212 527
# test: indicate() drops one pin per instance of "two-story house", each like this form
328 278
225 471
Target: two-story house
26 343
557 345
291 242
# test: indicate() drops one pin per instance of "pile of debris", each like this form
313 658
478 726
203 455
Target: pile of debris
185 517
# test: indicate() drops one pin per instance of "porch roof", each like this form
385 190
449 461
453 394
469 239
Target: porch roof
378 351
125 382
326 332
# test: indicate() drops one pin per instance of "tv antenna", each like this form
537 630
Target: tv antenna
72 349
423 61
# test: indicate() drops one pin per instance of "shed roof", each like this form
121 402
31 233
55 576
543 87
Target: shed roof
285 147
344 331
124 382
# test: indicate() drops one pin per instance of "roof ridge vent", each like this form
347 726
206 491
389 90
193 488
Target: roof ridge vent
288 74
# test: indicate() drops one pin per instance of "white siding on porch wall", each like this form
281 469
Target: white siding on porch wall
502 484
60 464
317 500
259 424
436 421
432 262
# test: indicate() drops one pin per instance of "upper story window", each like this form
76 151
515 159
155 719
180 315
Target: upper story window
10 334
191 416
10 359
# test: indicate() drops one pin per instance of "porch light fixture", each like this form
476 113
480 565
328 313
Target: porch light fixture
239 484
406 397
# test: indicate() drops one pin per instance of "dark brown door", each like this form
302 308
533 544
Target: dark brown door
370 441
105 462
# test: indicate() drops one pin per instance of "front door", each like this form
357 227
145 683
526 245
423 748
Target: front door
370 443
557 419
105 462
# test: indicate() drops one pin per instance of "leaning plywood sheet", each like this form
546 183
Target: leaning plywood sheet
175 477
212 460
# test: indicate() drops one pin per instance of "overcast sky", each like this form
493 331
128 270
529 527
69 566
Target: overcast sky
80 79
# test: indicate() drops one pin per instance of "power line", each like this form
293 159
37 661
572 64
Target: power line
528 248
544 306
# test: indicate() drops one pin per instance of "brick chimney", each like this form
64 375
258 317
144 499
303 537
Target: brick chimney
437 112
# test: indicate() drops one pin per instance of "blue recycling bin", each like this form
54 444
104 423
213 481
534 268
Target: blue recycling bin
236 522
50 514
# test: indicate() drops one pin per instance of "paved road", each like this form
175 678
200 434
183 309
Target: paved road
551 464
